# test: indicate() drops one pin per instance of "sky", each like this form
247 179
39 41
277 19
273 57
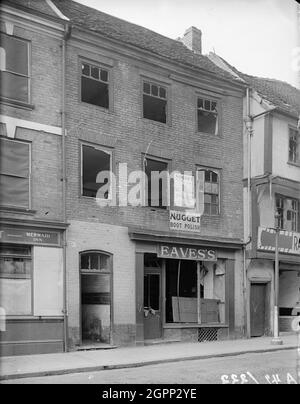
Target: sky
256 36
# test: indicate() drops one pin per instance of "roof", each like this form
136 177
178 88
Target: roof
88 18
281 94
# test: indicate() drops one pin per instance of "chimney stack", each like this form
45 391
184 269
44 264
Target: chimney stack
192 39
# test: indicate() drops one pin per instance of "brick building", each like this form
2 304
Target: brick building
131 96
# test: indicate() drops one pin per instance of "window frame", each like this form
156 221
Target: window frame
284 211
217 171
30 259
297 133
29 77
103 149
29 144
146 196
103 66
159 83
212 98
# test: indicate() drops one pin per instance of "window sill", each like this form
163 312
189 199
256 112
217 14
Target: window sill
290 163
98 108
11 209
193 325
157 123
210 135
17 104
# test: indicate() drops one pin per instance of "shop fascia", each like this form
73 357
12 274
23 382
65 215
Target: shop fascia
187 191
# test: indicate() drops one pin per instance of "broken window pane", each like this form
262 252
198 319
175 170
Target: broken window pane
94 92
94 86
155 105
207 116
94 162
157 190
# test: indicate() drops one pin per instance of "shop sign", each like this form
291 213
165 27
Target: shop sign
184 221
288 242
29 236
186 253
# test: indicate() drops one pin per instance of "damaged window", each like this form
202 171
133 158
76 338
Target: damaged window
211 191
14 173
288 210
155 102
195 293
94 162
14 68
158 182
207 116
294 156
94 85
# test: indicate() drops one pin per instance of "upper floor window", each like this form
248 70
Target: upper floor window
94 85
158 183
288 210
211 191
14 69
154 102
14 173
95 161
294 155
207 115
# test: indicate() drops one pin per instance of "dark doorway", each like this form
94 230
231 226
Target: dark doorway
152 304
258 309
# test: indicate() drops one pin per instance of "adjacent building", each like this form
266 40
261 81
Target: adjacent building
271 199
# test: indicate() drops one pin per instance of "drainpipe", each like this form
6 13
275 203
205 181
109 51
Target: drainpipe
249 127
67 34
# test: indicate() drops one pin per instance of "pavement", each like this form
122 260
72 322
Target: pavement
16 367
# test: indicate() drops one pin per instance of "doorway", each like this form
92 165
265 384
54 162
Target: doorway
258 296
96 299
152 303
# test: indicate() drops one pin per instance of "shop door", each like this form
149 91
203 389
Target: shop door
152 304
258 309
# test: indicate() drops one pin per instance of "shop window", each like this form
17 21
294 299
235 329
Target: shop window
14 173
207 116
94 85
14 69
294 155
211 191
195 293
288 211
16 280
158 183
95 161
155 102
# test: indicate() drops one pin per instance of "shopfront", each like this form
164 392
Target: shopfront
31 288
185 289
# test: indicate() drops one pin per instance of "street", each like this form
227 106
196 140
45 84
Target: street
267 368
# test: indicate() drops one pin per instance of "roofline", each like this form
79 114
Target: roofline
238 84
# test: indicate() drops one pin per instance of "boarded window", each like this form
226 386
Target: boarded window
14 173
94 161
14 71
94 85
207 116
158 183
154 102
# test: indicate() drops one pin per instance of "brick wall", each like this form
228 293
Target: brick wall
129 135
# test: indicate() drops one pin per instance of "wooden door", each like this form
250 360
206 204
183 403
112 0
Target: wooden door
152 304
258 309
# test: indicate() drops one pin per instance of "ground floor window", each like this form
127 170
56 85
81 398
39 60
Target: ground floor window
195 292
16 280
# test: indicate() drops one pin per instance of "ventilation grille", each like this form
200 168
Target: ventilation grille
207 334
